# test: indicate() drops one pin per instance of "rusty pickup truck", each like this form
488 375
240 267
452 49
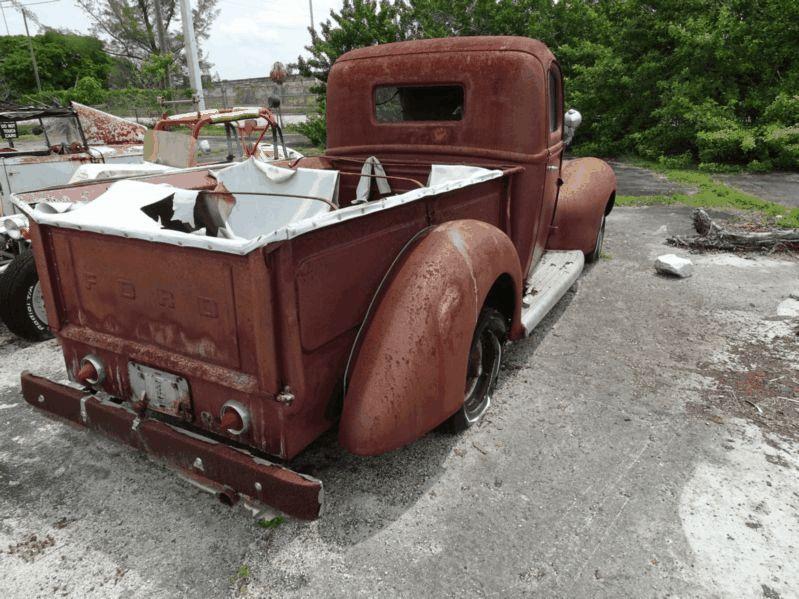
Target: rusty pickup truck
222 321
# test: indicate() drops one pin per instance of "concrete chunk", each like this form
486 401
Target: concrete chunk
672 264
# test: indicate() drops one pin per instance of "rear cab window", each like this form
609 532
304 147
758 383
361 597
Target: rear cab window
403 103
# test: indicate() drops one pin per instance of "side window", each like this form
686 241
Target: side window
554 100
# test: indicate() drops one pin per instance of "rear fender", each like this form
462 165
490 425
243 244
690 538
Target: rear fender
585 198
410 371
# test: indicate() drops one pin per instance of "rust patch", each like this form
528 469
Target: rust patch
102 128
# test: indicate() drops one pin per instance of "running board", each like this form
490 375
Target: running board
555 273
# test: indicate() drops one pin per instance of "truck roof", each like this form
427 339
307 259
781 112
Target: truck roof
486 43
448 100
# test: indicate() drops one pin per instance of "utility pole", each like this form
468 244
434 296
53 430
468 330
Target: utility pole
310 5
162 45
4 19
192 58
33 54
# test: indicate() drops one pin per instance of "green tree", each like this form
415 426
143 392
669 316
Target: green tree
89 91
129 27
63 59
717 79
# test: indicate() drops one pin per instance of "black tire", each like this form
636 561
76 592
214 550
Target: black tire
485 356
21 306
600 240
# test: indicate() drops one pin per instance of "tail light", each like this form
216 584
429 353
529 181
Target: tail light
91 371
234 418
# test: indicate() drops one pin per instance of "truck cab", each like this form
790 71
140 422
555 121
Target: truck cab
222 321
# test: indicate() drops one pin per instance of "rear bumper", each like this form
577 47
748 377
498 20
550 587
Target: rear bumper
213 465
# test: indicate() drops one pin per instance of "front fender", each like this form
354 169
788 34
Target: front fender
589 185
410 370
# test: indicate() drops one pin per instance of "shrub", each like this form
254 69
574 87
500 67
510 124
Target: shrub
88 90
784 109
679 161
760 166
782 144
715 167
733 145
315 129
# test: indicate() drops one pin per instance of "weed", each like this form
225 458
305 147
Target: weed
273 523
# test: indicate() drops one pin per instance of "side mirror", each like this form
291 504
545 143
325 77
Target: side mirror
571 120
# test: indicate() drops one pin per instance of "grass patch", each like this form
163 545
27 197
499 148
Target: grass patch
710 194
243 571
273 523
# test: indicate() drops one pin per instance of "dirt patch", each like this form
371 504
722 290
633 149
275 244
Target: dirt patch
762 387
31 547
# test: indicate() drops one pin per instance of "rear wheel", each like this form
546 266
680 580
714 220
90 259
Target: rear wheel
21 301
485 356
600 240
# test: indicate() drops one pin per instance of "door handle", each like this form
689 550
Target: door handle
552 167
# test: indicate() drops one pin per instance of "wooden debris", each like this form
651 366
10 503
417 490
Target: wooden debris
711 236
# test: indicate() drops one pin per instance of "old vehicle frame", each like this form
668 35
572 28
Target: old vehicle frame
370 288
69 136
165 150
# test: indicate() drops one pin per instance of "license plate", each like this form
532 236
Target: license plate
163 392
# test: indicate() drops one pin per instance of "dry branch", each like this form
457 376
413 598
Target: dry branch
711 236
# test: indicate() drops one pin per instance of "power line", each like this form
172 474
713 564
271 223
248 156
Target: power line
13 4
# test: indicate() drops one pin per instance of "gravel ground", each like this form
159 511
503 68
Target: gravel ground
620 458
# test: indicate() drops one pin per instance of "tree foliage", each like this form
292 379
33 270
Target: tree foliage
710 80
63 59
359 23
130 30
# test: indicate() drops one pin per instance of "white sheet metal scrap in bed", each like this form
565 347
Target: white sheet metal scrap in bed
256 220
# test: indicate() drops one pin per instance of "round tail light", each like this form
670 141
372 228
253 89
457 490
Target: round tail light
234 418
91 371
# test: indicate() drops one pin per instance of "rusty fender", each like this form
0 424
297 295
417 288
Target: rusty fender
410 370
586 196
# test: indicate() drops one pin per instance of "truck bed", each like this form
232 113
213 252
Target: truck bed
267 321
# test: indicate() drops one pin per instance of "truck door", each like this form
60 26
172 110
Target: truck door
555 147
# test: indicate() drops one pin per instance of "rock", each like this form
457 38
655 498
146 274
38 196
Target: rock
788 307
672 264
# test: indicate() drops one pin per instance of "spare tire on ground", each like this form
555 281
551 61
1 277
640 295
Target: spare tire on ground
21 302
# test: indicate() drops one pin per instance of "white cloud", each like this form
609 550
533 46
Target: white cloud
246 39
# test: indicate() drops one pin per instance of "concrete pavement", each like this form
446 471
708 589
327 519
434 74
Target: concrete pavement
620 458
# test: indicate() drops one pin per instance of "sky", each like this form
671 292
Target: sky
247 37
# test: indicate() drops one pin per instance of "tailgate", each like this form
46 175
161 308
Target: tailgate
188 301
